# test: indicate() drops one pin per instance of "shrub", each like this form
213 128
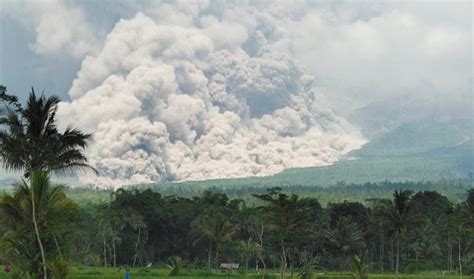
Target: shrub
361 270
59 268
418 266
175 265
306 271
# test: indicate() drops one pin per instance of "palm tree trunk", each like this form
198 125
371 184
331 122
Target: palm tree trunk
57 245
114 254
38 238
397 262
416 262
262 260
136 248
217 256
459 254
448 246
392 265
290 258
260 254
382 248
282 258
451 257
246 262
209 254
105 249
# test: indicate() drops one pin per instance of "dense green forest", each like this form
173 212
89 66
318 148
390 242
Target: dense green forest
408 232
454 190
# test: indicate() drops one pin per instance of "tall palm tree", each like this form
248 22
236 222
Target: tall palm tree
30 142
257 229
18 208
397 215
251 222
137 222
285 214
346 237
214 226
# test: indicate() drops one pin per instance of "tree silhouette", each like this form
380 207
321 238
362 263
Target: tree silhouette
214 226
30 142
346 237
397 215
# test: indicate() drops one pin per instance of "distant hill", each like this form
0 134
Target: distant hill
419 137
379 117
463 154
417 151
396 169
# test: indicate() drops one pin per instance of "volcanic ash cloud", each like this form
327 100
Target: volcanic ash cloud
172 103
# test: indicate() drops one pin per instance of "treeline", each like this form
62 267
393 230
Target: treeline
410 232
454 190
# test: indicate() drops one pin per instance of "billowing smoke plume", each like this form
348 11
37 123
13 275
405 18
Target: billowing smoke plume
200 101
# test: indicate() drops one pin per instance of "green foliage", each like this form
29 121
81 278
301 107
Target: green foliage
30 140
361 270
448 163
60 269
274 228
175 265
355 211
307 270
346 237
94 272
91 260
413 266
19 243
214 226
190 227
453 190
289 217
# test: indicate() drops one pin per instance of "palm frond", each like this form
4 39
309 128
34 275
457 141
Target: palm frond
30 140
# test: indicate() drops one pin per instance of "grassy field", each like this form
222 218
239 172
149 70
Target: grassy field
142 273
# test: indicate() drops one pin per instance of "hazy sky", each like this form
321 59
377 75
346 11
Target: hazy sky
357 50
161 83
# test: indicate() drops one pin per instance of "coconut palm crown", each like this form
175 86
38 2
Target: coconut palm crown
30 140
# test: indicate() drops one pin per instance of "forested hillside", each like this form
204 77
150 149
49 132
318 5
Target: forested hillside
420 137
